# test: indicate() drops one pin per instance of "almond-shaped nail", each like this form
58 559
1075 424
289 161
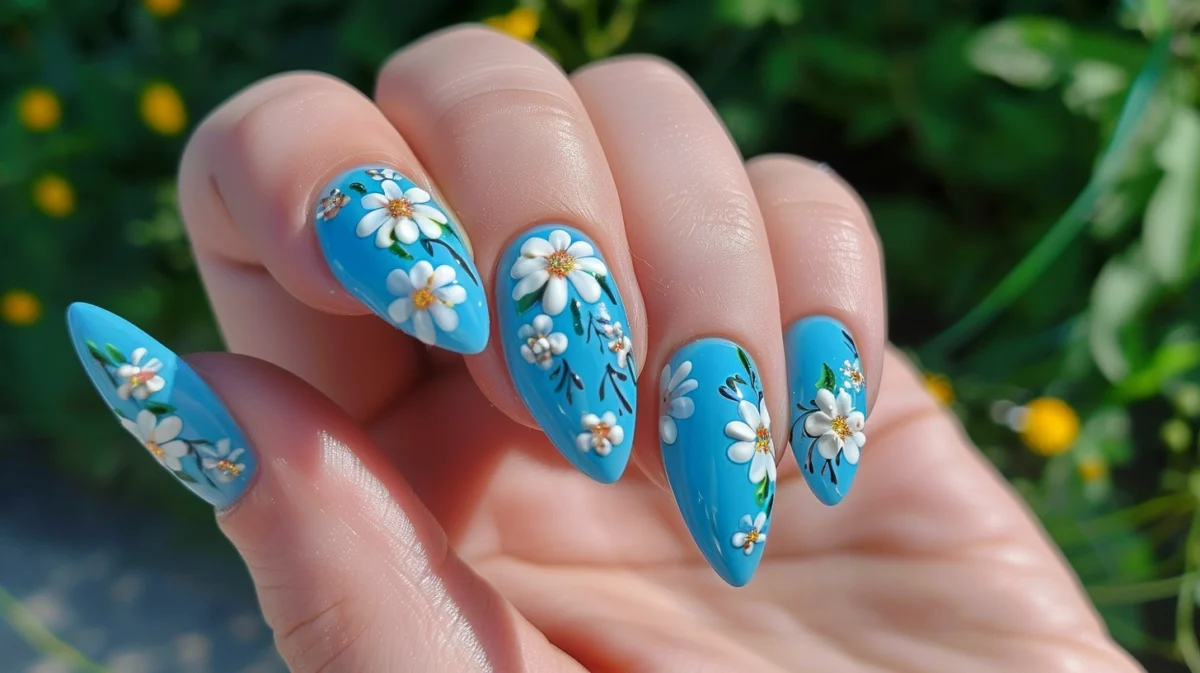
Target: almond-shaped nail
563 330
399 252
163 404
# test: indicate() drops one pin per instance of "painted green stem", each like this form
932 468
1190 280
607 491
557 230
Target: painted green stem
1072 222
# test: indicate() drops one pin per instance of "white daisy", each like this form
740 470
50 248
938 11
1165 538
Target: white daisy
331 205
541 343
159 437
552 262
673 405
602 434
141 380
399 215
750 532
620 344
428 296
221 462
754 443
837 426
852 376
380 174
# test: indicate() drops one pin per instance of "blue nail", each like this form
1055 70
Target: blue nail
164 404
400 253
563 328
716 441
829 404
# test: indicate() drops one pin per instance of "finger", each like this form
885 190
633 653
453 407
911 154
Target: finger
275 189
352 571
694 224
500 127
827 255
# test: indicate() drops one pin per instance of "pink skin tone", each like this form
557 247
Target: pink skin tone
406 517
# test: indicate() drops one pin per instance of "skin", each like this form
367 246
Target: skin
406 515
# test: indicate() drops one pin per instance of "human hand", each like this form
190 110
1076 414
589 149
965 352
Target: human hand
397 506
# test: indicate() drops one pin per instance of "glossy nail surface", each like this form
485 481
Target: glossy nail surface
163 404
563 330
828 404
400 253
715 432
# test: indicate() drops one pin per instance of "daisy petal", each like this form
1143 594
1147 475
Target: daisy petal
137 355
616 435
530 283
739 539
682 408
371 221
829 446
555 298
749 413
527 265
416 195
392 190
859 439
590 420
174 448
127 370
760 520
591 264
374 201
825 401
405 231
124 389
583 441
817 424
740 452
423 327
558 343
442 276
428 227
772 473
444 316
168 429
536 247
668 431
398 283
739 430
451 294
850 451
146 421
680 374
764 415
685 388
758 467
856 421
401 309
559 239
383 235
843 404
432 213
580 249
131 428
609 418
420 274
585 285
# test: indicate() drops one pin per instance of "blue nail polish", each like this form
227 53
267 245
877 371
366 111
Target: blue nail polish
715 433
400 253
563 328
164 404
829 404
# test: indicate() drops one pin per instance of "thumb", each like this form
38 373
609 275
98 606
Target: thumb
352 572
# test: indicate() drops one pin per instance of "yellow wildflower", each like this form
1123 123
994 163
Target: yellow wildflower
521 23
1050 426
38 109
20 308
1092 468
939 387
53 195
162 8
162 109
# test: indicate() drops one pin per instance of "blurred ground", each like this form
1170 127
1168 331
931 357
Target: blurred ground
124 587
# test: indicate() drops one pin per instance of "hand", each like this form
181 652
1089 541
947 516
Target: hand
398 507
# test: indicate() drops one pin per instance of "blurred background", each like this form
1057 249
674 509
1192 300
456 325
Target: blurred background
1033 167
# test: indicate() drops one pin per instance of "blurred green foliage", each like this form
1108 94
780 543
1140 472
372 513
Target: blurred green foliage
973 129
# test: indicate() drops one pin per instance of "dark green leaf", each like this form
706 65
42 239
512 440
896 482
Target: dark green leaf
159 409
576 318
745 361
399 251
184 476
762 492
524 303
827 381
603 280
770 505
115 356
449 230
358 187
100 355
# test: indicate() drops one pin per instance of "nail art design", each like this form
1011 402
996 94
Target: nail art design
715 432
399 252
829 401
562 323
163 404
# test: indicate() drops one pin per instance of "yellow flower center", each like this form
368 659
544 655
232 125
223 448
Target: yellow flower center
423 298
19 307
559 263
840 427
53 195
600 432
140 378
1051 426
162 109
856 377
156 450
762 439
39 109
751 538
229 468
399 208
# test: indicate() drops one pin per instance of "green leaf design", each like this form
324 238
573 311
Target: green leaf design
159 409
603 280
114 355
358 187
827 381
762 492
399 251
447 229
576 318
745 364
530 299
184 476
100 355
770 505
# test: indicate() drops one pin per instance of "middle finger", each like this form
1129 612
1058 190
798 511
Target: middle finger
507 140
